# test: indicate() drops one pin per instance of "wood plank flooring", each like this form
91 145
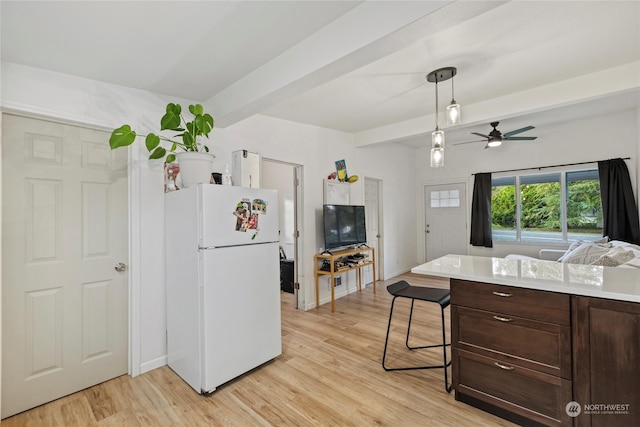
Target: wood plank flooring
329 374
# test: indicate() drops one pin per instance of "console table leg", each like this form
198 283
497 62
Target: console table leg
317 294
331 285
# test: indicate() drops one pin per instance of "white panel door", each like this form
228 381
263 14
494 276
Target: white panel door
445 220
64 229
372 208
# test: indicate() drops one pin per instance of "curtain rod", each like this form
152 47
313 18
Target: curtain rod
548 167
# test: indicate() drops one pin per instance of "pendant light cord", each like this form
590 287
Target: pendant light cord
437 128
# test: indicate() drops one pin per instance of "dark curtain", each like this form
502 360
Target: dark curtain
481 211
619 210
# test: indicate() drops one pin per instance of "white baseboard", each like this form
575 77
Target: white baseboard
153 364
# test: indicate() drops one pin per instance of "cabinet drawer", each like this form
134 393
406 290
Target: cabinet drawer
540 346
534 395
527 303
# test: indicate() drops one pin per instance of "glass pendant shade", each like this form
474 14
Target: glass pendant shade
437 148
437 157
453 113
437 139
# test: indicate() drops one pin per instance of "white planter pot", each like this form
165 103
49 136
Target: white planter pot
195 167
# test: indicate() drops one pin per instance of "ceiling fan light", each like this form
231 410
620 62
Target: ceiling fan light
494 143
453 113
437 157
437 138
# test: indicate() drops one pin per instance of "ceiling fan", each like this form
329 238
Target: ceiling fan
495 137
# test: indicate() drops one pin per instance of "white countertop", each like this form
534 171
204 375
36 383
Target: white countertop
616 283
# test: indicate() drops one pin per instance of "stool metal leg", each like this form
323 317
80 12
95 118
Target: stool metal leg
443 345
386 340
447 386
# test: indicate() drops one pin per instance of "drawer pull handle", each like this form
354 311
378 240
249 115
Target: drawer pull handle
505 367
502 294
503 319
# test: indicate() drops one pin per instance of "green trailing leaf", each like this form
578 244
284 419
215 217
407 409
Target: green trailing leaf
122 137
208 118
196 110
171 158
189 141
174 146
204 124
171 119
158 153
152 141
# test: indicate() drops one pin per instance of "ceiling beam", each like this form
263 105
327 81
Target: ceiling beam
364 34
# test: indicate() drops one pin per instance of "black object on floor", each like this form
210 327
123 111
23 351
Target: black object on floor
286 275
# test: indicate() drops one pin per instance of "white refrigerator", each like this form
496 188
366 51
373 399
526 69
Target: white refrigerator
223 283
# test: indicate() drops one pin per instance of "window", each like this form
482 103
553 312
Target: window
551 207
445 199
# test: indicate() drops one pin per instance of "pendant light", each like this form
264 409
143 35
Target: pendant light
437 141
437 136
453 109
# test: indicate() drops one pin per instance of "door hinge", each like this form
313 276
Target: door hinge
296 285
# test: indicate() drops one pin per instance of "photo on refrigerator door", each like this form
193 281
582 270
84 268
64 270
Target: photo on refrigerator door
259 206
247 214
243 214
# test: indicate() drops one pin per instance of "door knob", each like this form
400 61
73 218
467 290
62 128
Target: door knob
121 266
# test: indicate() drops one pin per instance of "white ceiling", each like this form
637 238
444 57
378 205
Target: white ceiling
348 65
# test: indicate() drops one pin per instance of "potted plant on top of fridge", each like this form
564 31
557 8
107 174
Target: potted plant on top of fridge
196 163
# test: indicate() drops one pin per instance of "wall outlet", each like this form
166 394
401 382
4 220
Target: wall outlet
337 281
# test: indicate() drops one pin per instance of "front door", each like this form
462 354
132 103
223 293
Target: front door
445 220
64 230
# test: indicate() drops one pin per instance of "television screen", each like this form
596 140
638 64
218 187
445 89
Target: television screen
344 225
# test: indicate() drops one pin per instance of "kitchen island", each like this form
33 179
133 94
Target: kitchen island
542 342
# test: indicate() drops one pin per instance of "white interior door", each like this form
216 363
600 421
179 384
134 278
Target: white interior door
287 179
372 208
445 220
65 227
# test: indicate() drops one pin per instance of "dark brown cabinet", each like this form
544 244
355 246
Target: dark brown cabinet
512 351
526 355
606 361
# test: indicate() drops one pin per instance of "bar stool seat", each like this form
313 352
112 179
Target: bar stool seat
402 289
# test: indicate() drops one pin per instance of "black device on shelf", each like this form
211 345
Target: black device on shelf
343 225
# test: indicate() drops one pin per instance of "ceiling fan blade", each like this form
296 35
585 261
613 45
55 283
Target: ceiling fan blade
468 142
517 131
479 134
521 138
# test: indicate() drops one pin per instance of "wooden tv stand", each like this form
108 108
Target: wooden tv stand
332 257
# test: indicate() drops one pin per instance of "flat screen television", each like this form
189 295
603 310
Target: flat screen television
343 225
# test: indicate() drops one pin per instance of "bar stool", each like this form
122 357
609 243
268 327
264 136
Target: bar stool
402 289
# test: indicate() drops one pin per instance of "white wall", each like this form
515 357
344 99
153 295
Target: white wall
589 139
317 149
100 104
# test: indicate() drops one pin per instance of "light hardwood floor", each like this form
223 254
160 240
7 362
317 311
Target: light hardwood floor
329 374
